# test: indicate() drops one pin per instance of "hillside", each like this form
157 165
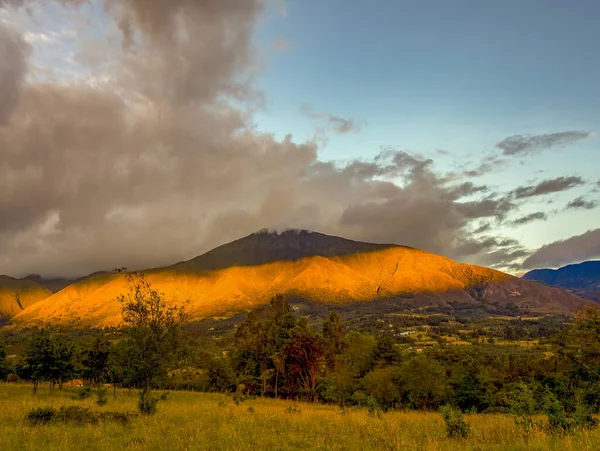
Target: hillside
305 266
16 295
583 278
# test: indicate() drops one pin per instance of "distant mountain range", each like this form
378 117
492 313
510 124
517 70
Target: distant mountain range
582 279
305 266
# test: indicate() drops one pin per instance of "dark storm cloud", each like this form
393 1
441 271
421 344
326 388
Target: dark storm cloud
581 203
528 144
548 186
563 252
156 164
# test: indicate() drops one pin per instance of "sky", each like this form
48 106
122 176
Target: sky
140 133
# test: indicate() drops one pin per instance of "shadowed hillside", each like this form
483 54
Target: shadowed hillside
268 247
312 267
582 278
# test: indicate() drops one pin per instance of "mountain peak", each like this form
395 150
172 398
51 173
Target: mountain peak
271 245
283 232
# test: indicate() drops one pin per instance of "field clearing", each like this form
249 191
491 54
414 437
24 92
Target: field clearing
196 421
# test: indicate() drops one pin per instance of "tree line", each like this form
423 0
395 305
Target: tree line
277 354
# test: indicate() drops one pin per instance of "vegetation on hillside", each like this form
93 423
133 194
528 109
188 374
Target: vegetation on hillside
544 373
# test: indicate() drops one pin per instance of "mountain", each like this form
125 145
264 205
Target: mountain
17 294
54 285
583 278
309 267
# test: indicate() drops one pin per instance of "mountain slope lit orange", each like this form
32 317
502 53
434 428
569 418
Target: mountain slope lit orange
16 295
211 287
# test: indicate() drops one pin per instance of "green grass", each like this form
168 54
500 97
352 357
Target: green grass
194 421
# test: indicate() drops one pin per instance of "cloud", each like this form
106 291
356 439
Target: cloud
538 216
563 252
581 203
13 67
156 159
528 144
548 186
338 124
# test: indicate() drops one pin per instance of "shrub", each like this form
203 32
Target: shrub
456 426
373 407
165 395
293 408
561 422
84 393
522 405
147 405
41 415
101 398
251 409
75 415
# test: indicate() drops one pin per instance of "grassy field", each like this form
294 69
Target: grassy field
193 421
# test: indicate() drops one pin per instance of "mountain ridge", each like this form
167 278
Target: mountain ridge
581 278
311 266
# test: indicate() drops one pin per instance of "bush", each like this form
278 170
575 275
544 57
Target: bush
293 408
147 405
84 393
75 415
523 406
251 409
165 395
373 407
101 398
456 426
41 415
561 422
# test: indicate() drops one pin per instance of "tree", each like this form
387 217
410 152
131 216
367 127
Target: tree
385 352
580 343
424 383
358 352
152 329
96 361
332 337
62 366
304 353
260 341
3 366
48 357
381 384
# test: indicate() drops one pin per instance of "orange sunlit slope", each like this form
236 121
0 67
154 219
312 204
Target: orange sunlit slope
403 274
16 295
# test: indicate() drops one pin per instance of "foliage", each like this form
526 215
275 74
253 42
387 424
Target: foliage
456 426
40 415
49 356
96 361
74 415
147 405
84 393
101 398
152 328
293 408
559 421
523 406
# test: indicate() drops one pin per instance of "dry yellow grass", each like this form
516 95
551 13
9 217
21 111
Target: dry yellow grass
192 421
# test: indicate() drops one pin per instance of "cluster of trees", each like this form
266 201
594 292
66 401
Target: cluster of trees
138 358
274 353
279 355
